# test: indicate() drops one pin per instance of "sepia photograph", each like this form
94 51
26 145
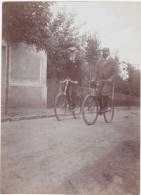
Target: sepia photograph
70 97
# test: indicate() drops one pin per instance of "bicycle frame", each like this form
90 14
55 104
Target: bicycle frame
66 86
66 81
100 82
92 107
67 106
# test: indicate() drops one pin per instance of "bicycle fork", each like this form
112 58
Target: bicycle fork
66 86
65 93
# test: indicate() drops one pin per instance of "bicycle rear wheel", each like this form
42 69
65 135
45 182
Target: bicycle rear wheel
109 114
60 106
77 110
90 110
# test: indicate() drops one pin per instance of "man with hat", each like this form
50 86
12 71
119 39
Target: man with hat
105 69
73 71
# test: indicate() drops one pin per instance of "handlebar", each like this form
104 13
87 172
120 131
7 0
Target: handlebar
102 81
96 83
69 80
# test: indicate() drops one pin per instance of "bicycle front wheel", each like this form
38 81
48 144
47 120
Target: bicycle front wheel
109 114
90 109
77 110
60 106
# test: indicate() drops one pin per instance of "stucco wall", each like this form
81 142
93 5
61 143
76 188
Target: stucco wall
3 77
27 77
25 63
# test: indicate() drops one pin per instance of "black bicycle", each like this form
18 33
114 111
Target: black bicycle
91 108
62 107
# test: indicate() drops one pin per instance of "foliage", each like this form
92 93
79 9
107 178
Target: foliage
128 83
91 45
133 80
121 85
92 49
65 35
27 22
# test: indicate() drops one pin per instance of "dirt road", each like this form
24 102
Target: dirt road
47 156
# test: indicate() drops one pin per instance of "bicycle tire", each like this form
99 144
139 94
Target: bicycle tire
60 106
109 114
90 106
77 111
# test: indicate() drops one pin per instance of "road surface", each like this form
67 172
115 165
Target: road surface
70 157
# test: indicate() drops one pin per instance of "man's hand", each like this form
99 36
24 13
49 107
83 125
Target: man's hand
109 80
76 82
92 80
93 84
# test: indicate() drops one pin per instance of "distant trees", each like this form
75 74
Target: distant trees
128 81
133 80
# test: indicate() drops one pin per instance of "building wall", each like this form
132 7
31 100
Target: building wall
3 76
27 77
52 90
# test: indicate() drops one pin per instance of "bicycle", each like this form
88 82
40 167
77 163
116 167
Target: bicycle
62 107
90 107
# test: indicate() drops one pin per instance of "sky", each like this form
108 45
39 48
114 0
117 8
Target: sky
118 25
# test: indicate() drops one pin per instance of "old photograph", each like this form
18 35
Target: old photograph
70 97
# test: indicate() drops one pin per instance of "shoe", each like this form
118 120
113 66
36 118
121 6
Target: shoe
72 109
68 107
100 112
104 110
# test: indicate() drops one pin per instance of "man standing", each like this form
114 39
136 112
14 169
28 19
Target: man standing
105 69
73 71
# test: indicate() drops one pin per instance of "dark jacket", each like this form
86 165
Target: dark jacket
105 69
73 70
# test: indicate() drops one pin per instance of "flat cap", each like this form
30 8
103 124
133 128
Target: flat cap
105 49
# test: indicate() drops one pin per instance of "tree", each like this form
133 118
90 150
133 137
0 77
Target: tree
92 49
133 80
65 34
128 81
91 46
121 85
27 22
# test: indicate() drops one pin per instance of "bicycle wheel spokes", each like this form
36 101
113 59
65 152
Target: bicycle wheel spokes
109 114
77 110
90 110
60 107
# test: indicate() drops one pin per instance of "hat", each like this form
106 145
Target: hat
105 49
72 49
